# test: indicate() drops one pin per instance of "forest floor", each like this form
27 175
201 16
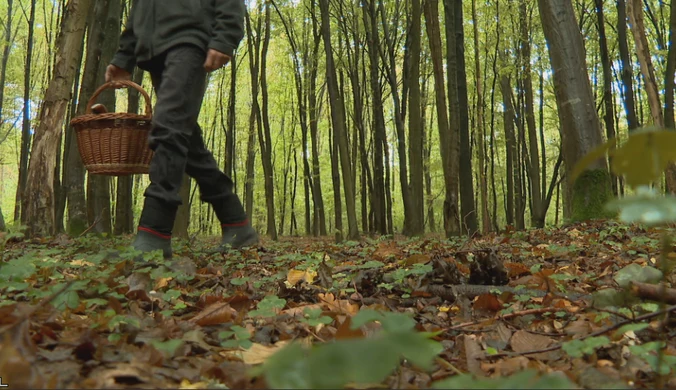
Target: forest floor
384 312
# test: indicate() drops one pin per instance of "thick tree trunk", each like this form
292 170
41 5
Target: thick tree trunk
264 137
26 120
452 216
38 200
338 122
580 126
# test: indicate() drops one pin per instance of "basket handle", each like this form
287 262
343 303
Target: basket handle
120 84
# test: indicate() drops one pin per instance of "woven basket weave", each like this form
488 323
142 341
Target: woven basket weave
114 144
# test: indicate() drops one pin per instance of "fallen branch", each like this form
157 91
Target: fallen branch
593 334
450 293
655 292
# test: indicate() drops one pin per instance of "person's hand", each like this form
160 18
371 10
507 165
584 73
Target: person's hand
215 60
115 73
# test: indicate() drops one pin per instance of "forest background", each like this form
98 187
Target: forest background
347 117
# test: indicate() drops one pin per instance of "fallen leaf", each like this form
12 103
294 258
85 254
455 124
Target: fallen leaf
294 277
257 354
523 341
416 259
488 302
215 314
81 263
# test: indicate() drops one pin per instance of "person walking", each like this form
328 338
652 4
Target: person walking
178 42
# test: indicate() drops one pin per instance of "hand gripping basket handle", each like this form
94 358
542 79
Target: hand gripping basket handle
119 84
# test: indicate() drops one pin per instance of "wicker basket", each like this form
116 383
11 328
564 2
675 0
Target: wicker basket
114 144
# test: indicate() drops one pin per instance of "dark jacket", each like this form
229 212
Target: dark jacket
154 26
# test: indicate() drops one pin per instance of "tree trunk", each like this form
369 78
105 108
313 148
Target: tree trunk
26 122
481 132
379 135
74 172
230 132
452 216
253 43
609 108
264 137
338 122
467 206
335 176
635 12
124 211
38 200
415 224
626 67
9 41
510 146
580 126
538 212
669 121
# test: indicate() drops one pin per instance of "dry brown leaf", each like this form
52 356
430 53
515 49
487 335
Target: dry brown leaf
81 263
386 250
473 355
162 283
139 283
523 341
295 276
488 302
257 354
508 366
300 310
218 313
416 259
345 332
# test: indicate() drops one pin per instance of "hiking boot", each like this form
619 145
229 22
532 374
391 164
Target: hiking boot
238 235
155 225
148 240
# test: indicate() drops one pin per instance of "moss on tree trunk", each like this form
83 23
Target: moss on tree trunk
591 192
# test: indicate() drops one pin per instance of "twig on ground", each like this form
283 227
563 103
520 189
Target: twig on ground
593 334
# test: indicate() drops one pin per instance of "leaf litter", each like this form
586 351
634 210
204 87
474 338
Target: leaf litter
547 308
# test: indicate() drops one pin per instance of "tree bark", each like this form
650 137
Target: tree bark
253 43
338 122
669 121
9 40
26 121
635 12
379 138
264 137
416 223
38 200
467 205
74 172
626 67
609 108
481 132
580 126
451 207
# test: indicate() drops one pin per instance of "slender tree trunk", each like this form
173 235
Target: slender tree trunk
314 108
609 108
337 201
670 71
538 212
580 126
5 56
467 206
415 224
74 172
626 67
26 122
338 122
481 133
38 200
635 12
253 43
379 137
232 121
264 137
510 146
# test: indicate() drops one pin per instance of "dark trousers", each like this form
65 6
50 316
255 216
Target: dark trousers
178 77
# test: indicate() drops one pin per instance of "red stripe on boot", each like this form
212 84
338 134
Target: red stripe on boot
243 223
155 233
